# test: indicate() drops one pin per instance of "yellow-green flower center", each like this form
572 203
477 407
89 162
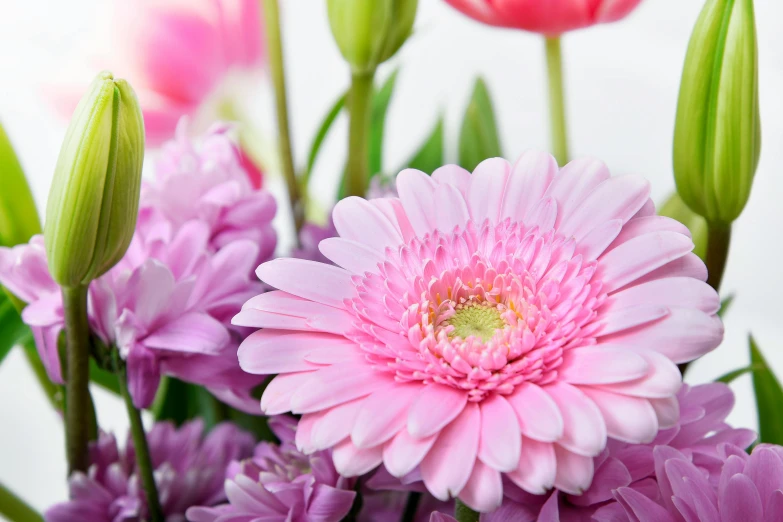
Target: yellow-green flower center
477 320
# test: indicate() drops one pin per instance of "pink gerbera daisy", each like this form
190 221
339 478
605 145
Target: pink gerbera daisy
504 322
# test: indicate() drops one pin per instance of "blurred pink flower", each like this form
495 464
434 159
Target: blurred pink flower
499 323
189 465
167 305
551 17
183 57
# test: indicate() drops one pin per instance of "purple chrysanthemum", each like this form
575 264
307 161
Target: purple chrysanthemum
281 484
189 470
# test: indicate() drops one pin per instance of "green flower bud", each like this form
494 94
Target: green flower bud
18 215
675 208
369 32
94 198
717 136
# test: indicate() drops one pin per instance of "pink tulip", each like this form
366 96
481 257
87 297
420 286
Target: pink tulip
550 17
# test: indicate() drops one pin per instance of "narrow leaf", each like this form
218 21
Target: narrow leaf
105 379
323 130
12 330
728 378
769 398
380 106
430 155
725 305
478 137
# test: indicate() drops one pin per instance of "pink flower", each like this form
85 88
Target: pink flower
499 323
280 484
552 17
700 436
184 58
189 470
167 305
204 179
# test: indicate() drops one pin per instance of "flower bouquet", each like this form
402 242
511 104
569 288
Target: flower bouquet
483 340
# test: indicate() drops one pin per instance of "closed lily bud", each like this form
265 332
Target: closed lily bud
369 32
18 215
94 198
717 137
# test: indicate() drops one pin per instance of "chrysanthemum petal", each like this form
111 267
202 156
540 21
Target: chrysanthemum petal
537 467
538 415
403 453
630 419
192 332
601 365
443 473
308 279
584 430
501 440
436 407
484 489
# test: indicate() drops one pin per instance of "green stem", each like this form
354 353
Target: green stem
359 104
15 509
557 116
77 392
276 67
464 514
143 460
718 240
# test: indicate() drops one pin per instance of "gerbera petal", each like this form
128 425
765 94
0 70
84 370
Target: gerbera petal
662 381
335 424
501 440
574 472
484 490
453 175
584 430
684 292
630 419
436 406
575 181
601 365
319 282
538 415
403 453
267 352
343 383
443 474
351 461
358 220
355 257
537 467
530 177
416 191
277 395
487 186
667 410
383 414
451 211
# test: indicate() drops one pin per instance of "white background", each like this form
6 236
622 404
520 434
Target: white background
622 83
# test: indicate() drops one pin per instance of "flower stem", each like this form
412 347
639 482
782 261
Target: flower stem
78 410
464 514
359 103
143 460
557 116
718 240
276 67
15 509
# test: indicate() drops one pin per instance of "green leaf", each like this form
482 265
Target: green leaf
320 136
478 137
769 397
725 305
728 378
105 379
18 215
380 106
12 330
430 155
